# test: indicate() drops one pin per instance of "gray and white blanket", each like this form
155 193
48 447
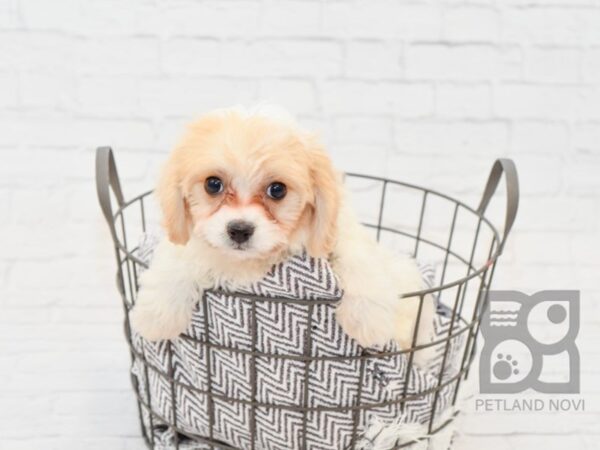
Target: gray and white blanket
225 320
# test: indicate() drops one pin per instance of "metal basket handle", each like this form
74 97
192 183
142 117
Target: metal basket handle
107 178
506 166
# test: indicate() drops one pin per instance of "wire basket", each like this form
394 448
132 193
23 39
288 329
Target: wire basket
459 240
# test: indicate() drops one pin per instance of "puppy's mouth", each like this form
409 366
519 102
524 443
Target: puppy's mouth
228 245
240 247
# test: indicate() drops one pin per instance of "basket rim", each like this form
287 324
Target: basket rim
473 272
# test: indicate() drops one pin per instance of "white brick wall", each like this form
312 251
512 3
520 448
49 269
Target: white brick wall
423 90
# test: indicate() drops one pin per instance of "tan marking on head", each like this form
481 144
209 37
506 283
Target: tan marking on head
248 153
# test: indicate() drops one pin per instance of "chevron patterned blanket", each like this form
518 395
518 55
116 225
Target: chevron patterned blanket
285 331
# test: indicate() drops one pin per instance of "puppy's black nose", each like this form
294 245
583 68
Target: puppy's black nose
240 231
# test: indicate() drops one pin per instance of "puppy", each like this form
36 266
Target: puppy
242 191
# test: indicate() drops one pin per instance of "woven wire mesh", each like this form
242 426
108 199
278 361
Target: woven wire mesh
458 239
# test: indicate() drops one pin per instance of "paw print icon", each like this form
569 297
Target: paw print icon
529 342
505 367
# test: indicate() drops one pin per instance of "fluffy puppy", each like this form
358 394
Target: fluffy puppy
242 191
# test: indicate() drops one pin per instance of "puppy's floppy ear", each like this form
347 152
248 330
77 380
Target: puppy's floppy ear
327 193
176 216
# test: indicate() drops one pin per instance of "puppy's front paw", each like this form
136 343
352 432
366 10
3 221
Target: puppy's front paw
365 321
156 319
377 321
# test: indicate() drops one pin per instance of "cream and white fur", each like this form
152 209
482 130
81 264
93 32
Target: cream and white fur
315 215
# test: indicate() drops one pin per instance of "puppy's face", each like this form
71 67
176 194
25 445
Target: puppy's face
249 187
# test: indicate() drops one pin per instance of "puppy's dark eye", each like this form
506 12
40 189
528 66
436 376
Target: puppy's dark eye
213 185
276 190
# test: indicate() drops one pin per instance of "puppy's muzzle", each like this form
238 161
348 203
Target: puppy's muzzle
240 231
